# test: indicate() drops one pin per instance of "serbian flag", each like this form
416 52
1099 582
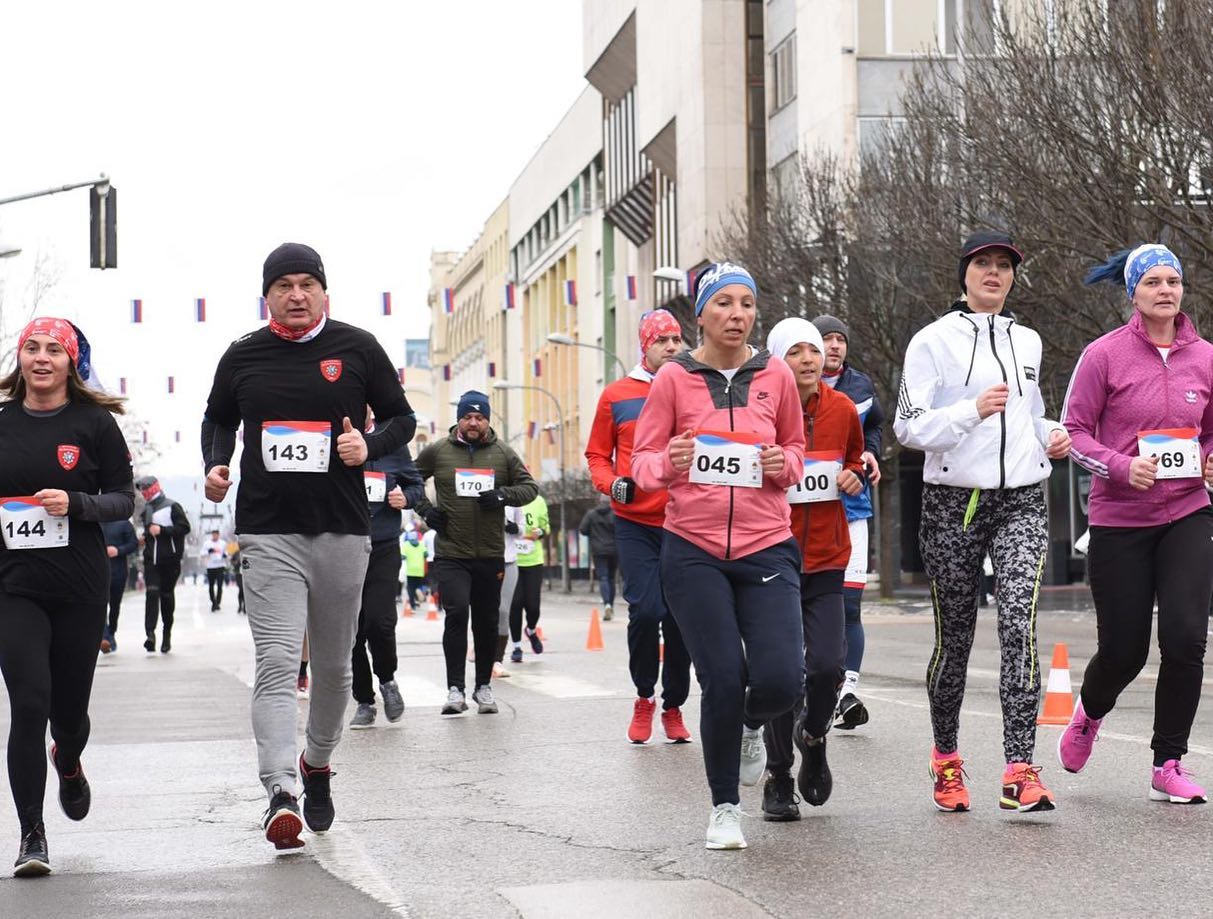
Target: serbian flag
531 430
200 309
509 296
570 292
492 369
262 312
433 427
387 303
177 436
448 300
691 283
400 375
631 287
145 436
122 386
537 367
170 384
446 372
551 436
136 311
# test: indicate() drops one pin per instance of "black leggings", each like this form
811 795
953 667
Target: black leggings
117 589
48 651
526 596
377 621
470 587
1130 567
214 585
160 602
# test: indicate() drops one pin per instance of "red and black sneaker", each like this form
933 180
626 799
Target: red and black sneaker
317 796
282 823
74 793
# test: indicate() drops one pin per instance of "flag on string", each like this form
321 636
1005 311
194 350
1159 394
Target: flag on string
200 309
448 300
551 436
136 311
570 292
531 430
691 283
537 367
492 369
446 372
170 384
387 303
433 427
122 386
262 312
400 374
145 436
631 287
509 296
177 436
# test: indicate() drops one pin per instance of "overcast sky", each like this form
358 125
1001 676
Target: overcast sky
373 131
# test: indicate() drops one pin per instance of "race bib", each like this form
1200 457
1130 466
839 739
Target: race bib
820 479
25 524
726 458
295 446
376 486
523 546
470 483
1177 449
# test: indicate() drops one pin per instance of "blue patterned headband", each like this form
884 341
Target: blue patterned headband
717 276
1130 265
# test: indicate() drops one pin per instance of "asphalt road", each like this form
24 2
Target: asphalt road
545 810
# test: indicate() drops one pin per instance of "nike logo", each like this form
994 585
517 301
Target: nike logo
770 578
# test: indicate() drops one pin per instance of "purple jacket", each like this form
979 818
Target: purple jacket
1120 386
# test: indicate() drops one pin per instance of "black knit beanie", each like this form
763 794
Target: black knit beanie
826 324
292 258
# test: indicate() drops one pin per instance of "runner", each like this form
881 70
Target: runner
599 525
64 467
833 467
233 553
721 429
475 477
844 378
639 516
165 527
214 557
1140 413
529 591
300 387
970 401
509 583
414 568
120 544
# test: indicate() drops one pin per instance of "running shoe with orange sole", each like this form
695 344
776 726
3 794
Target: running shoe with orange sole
949 775
1023 791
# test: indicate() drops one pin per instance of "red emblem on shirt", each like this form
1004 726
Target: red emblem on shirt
331 369
69 455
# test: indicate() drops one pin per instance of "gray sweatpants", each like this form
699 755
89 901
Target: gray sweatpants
293 584
508 582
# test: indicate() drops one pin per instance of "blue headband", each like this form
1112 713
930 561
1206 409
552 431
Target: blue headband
1131 265
717 276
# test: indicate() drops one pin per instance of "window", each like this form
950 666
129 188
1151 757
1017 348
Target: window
783 71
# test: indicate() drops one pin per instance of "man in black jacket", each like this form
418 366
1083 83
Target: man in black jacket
120 544
165 527
599 525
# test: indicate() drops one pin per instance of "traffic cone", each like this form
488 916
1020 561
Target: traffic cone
406 611
1059 699
431 611
539 632
593 641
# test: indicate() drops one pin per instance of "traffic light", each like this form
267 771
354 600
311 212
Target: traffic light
103 226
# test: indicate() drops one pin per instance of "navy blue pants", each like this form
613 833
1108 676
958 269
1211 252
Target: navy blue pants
604 567
639 548
741 621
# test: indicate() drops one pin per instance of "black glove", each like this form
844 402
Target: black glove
512 528
623 490
435 519
491 500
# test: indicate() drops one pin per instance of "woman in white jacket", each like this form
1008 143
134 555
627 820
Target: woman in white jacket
970 401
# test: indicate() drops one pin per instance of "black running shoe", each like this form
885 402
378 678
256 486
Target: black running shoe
813 779
281 821
33 859
165 644
150 645
74 794
851 713
317 797
779 801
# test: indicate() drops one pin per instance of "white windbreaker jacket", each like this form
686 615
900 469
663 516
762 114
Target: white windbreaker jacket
948 365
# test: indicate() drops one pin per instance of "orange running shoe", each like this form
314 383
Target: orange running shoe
949 775
1023 791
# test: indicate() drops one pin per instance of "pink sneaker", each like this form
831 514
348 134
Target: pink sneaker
1074 745
1173 783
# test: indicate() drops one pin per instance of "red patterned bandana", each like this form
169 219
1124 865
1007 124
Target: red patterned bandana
653 325
59 329
295 334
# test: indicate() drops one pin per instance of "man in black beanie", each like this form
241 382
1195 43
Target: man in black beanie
301 387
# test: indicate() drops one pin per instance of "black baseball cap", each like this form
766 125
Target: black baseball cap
979 242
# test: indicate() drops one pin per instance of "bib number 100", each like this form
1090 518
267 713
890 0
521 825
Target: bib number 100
729 465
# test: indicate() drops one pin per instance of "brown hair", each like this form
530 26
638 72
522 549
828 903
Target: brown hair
13 387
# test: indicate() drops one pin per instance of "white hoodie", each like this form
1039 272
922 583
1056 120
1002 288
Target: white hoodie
948 365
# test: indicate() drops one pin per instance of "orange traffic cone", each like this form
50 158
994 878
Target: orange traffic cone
593 641
431 611
539 632
406 611
1059 699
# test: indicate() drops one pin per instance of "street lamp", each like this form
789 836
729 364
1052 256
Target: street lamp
564 553
7 251
557 338
670 273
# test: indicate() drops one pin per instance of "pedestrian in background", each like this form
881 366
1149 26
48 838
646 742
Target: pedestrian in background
165 526
120 544
599 525
214 557
528 594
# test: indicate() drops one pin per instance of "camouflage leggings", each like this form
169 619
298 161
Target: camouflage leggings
1010 524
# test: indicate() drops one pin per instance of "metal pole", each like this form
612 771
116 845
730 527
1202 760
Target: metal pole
565 577
54 191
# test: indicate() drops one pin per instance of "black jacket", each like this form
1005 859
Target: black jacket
599 525
170 544
398 469
121 535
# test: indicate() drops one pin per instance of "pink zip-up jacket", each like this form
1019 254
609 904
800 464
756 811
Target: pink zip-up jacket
1121 386
761 399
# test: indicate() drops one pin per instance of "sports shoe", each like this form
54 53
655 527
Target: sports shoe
483 697
281 822
779 801
33 858
364 716
302 687
1074 745
607 613
753 757
1173 783
949 775
455 702
393 702
1023 791
851 713
675 730
317 796
150 645
107 641
499 671
813 779
516 655
724 827
74 793
536 642
641 728
166 645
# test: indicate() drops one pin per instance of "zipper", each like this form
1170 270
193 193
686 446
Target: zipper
728 539
1002 416
808 508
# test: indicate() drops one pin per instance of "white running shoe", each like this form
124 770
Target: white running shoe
483 697
724 827
753 756
455 703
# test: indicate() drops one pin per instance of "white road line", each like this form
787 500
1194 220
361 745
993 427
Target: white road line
558 686
341 854
418 692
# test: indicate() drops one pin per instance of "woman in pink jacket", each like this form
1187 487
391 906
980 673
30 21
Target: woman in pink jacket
721 430
1140 412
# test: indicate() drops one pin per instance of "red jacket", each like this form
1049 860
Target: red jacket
831 424
609 450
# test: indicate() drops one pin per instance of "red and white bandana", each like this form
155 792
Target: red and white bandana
653 325
60 330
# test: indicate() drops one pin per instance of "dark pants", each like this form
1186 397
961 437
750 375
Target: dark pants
469 585
160 601
605 566
214 586
526 596
648 617
851 600
117 589
48 652
1130 567
377 621
823 620
740 619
